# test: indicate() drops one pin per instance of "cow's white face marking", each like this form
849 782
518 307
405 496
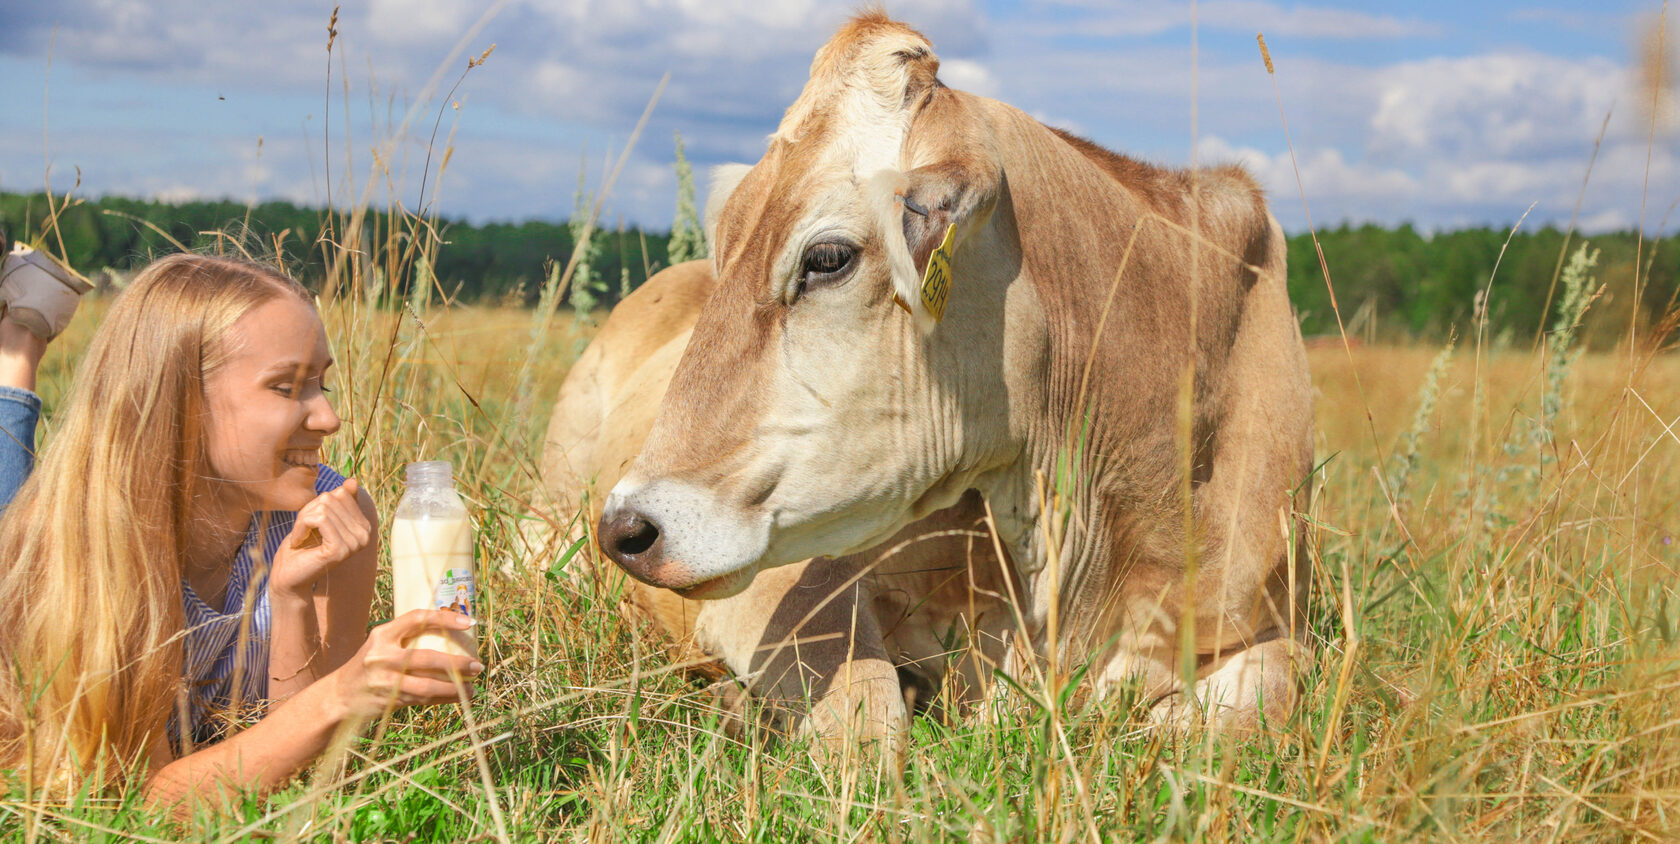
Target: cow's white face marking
702 540
826 427
843 432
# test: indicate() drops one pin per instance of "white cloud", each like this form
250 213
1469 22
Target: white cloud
419 21
574 68
1577 21
558 80
1326 173
1496 105
1148 17
177 193
1062 123
1481 181
1328 179
1309 21
1609 219
970 76
1472 138
178 40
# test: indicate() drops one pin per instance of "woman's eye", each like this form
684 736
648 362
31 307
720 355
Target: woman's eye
292 391
824 262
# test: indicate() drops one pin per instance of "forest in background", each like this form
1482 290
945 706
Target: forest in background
1391 283
492 262
1395 284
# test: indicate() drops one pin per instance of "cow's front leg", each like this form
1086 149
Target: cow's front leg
806 642
1238 692
1234 687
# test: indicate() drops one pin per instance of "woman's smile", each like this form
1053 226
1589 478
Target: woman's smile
269 411
305 458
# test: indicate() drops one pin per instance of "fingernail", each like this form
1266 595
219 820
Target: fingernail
477 667
471 623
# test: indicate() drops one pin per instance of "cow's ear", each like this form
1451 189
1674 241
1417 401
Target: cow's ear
918 209
725 179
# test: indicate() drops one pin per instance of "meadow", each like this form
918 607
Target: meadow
1493 621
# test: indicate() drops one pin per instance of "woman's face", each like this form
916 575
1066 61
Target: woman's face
268 408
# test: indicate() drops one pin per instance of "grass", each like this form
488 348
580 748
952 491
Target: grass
1509 635
1494 616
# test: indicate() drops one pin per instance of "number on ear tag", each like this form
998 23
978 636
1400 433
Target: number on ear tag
936 282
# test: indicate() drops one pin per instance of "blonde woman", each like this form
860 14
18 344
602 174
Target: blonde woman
179 562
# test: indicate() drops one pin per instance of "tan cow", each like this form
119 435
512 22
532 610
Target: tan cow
830 636
1117 342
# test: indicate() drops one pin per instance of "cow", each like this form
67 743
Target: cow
922 292
832 645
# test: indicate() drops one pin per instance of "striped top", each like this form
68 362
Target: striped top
226 661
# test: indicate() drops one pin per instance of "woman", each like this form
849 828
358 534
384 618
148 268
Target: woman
182 478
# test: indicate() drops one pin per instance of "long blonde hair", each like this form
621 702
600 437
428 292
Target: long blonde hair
91 549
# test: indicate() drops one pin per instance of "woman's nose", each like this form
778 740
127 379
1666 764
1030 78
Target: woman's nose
322 417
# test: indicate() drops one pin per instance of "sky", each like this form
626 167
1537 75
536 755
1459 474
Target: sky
1439 114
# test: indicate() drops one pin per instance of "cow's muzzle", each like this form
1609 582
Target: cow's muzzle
675 536
634 542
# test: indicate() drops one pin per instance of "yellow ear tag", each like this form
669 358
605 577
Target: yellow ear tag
936 282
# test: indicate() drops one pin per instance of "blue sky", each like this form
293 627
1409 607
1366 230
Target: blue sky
1443 114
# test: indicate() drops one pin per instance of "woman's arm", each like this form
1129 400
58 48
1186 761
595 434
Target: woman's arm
321 588
344 600
382 676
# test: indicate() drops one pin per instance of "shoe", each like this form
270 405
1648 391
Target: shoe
38 292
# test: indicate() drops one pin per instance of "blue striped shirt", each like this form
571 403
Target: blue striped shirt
226 655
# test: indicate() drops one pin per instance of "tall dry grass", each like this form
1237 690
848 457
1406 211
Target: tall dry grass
1506 622
1495 635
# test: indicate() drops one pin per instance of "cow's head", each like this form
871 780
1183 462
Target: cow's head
821 405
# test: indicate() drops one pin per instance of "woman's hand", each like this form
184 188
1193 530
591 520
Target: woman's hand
382 676
328 530
385 675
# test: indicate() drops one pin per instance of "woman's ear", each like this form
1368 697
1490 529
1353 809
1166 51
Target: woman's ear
916 212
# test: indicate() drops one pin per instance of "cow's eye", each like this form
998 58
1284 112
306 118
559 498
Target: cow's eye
824 263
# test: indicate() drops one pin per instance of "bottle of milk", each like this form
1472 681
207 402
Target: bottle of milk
432 555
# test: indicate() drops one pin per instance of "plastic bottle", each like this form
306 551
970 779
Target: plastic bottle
432 555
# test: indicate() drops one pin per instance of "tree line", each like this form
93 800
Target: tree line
1401 283
499 262
1390 283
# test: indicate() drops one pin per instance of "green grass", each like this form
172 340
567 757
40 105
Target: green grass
1508 672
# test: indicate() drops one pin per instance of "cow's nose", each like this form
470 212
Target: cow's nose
631 540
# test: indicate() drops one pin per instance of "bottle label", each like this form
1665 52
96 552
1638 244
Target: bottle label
455 592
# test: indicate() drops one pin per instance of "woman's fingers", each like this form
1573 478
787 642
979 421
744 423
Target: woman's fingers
427 661
415 622
305 529
386 675
338 539
419 691
314 547
341 509
423 691
400 676
352 522
414 691
402 668
433 663
327 531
